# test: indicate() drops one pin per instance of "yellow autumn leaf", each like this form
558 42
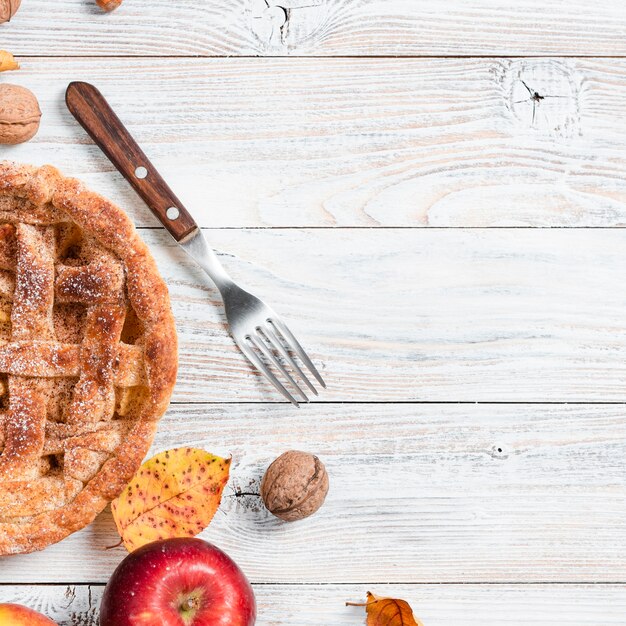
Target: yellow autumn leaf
174 494
7 61
387 612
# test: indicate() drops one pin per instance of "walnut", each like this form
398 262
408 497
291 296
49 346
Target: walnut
19 114
294 486
8 8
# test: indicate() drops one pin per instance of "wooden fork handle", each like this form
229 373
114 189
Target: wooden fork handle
95 115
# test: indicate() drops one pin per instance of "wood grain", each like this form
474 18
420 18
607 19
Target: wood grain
319 27
419 493
354 142
415 314
436 605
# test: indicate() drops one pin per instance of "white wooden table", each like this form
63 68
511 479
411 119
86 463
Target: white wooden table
433 194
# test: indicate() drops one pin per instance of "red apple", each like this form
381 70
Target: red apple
16 615
178 582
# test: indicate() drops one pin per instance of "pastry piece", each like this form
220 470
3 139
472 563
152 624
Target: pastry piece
88 355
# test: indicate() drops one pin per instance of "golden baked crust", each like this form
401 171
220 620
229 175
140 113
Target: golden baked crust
88 355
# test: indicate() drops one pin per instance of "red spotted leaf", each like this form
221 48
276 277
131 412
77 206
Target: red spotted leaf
387 612
174 494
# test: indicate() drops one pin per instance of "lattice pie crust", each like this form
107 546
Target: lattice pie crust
87 355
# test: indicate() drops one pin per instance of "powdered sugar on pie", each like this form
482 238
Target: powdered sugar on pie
88 355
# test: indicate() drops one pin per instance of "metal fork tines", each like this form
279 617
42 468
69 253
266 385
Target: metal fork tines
261 335
272 344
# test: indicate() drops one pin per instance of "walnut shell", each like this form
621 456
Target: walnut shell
294 486
19 114
8 8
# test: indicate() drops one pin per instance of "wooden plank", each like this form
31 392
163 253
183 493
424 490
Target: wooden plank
419 493
353 142
415 314
436 605
320 27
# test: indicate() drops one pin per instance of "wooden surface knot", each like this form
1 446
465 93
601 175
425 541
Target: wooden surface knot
244 496
499 452
543 96
283 25
81 608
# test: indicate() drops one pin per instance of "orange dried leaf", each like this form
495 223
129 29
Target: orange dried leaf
387 612
174 494
7 61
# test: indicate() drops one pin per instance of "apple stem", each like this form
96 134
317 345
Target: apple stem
190 604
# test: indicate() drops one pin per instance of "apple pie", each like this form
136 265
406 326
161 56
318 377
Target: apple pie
88 355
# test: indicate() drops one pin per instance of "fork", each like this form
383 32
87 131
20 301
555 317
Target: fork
261 335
